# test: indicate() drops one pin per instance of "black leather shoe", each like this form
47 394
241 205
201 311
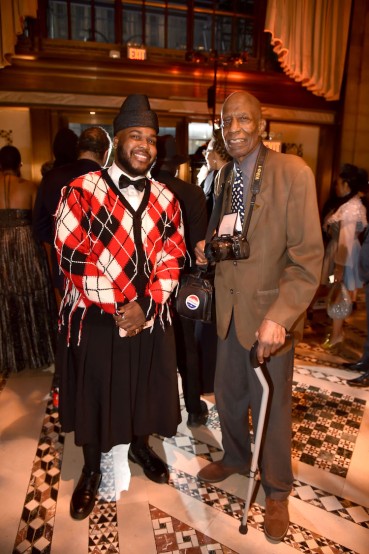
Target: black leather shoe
154 468
195 420
83 498
362 381
358 366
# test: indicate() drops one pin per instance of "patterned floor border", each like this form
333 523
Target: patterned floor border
38 517
37 521
103 521
297 537
350 511
173 536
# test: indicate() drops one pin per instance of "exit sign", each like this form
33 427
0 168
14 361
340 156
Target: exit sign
136 53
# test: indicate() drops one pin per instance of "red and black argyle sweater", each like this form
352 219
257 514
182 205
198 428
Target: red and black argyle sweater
111 254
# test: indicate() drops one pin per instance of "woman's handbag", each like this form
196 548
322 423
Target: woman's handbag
339 303
195 298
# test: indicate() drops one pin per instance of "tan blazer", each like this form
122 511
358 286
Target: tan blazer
279 279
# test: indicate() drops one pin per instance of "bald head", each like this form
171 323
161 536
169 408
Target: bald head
96 144
239 97
242 124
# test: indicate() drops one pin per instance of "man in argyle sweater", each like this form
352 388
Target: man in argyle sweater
120 245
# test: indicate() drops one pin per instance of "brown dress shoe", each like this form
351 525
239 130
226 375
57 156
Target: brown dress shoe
276 520
218 471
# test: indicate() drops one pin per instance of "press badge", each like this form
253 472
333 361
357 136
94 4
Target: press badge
229 224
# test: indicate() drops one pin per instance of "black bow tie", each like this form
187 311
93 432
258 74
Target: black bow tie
125 181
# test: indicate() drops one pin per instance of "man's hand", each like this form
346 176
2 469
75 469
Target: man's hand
271 336
199 253
131 318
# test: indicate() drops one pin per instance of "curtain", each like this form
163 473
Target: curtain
12 15
310 39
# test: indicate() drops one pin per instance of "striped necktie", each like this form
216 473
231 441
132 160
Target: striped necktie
237 204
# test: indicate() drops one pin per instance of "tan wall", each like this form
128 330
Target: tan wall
15 128
355 129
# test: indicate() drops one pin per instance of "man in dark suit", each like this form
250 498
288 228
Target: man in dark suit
193 205
262 297
93 150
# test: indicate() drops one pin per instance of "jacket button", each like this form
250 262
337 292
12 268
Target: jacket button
231 291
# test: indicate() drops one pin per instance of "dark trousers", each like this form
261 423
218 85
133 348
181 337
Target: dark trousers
92 452
237 389
206 340
188 362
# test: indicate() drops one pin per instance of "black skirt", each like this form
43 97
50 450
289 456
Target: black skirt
28 314
112 388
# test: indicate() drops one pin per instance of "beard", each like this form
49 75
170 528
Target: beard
125 163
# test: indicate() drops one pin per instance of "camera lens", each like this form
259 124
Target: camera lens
217 250
210 251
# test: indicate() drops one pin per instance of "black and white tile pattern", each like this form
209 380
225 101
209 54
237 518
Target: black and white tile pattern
329 504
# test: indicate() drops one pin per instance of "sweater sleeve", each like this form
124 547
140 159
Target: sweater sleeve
75 254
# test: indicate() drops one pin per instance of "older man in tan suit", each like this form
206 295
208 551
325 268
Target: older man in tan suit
263 298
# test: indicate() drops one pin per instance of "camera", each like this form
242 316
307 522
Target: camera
227 247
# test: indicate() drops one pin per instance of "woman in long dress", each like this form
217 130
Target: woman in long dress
28 308
342 252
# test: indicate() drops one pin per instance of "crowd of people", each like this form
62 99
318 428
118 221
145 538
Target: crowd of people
108 243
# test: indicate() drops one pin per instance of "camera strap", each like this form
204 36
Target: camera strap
255 185
217 209
255 189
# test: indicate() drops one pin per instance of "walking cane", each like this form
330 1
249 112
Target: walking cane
257 435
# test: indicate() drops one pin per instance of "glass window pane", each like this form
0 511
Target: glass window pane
104 21
132 25
245 36
198 134
81 22
57 20
202 32
155 27
177 32
223 34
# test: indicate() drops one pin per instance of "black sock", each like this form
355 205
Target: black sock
140 442
92 456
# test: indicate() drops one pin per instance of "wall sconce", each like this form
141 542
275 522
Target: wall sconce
114 54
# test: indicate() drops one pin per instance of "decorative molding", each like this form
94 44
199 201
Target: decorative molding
175 105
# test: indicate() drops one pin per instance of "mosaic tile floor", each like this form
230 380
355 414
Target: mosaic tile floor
329 505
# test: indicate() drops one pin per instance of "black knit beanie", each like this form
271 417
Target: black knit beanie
135 112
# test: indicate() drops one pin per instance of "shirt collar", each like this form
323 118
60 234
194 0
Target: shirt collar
247 165
115 172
